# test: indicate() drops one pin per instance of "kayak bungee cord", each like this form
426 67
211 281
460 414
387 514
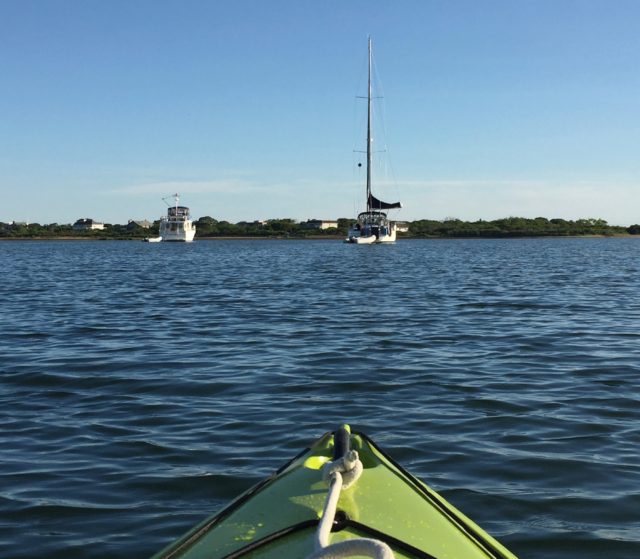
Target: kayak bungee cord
349 464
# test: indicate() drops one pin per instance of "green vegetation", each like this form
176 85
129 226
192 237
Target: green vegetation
288 228
518 227
209 227
57 231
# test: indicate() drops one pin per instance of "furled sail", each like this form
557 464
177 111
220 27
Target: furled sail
376 204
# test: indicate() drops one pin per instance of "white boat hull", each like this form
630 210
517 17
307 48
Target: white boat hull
177 231
178 236
391 238
357 240
364 234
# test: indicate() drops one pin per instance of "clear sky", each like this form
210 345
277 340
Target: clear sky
247 108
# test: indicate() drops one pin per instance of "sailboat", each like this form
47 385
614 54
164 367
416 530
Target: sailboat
372 225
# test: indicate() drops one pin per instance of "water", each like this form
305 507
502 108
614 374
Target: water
145 385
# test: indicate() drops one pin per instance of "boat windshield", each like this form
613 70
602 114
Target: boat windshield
372 215
178 212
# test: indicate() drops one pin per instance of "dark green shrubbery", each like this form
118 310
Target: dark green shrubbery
448 228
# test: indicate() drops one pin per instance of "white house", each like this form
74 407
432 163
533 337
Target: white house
320 224
87 224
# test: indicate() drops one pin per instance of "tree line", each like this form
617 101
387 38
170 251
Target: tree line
518 227
278 228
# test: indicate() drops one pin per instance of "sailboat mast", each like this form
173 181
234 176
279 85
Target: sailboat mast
369 133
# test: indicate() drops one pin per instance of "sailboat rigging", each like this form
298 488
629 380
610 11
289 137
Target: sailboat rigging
372 225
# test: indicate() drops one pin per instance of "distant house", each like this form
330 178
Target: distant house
402 227
319 224
87 224
138 224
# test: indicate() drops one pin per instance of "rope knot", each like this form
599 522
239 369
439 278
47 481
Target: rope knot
341 474
349 466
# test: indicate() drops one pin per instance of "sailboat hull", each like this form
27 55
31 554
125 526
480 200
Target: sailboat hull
391 238
357 240
372 228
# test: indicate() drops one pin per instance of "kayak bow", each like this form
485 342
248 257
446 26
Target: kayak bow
379 508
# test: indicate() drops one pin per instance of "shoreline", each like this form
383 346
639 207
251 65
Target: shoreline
330 238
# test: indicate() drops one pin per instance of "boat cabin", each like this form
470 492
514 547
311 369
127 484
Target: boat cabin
178 212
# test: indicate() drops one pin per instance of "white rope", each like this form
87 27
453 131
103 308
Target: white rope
351 466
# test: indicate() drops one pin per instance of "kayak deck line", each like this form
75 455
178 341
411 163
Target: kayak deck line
346 523
281 515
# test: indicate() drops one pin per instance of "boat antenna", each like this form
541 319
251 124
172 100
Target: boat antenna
369 132
175 196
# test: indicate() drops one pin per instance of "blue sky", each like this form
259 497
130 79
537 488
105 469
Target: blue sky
247 108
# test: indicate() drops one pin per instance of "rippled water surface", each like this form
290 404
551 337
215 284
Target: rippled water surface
145 385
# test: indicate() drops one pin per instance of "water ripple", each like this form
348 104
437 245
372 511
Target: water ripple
137 397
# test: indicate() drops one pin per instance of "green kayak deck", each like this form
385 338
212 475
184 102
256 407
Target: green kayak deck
278 517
